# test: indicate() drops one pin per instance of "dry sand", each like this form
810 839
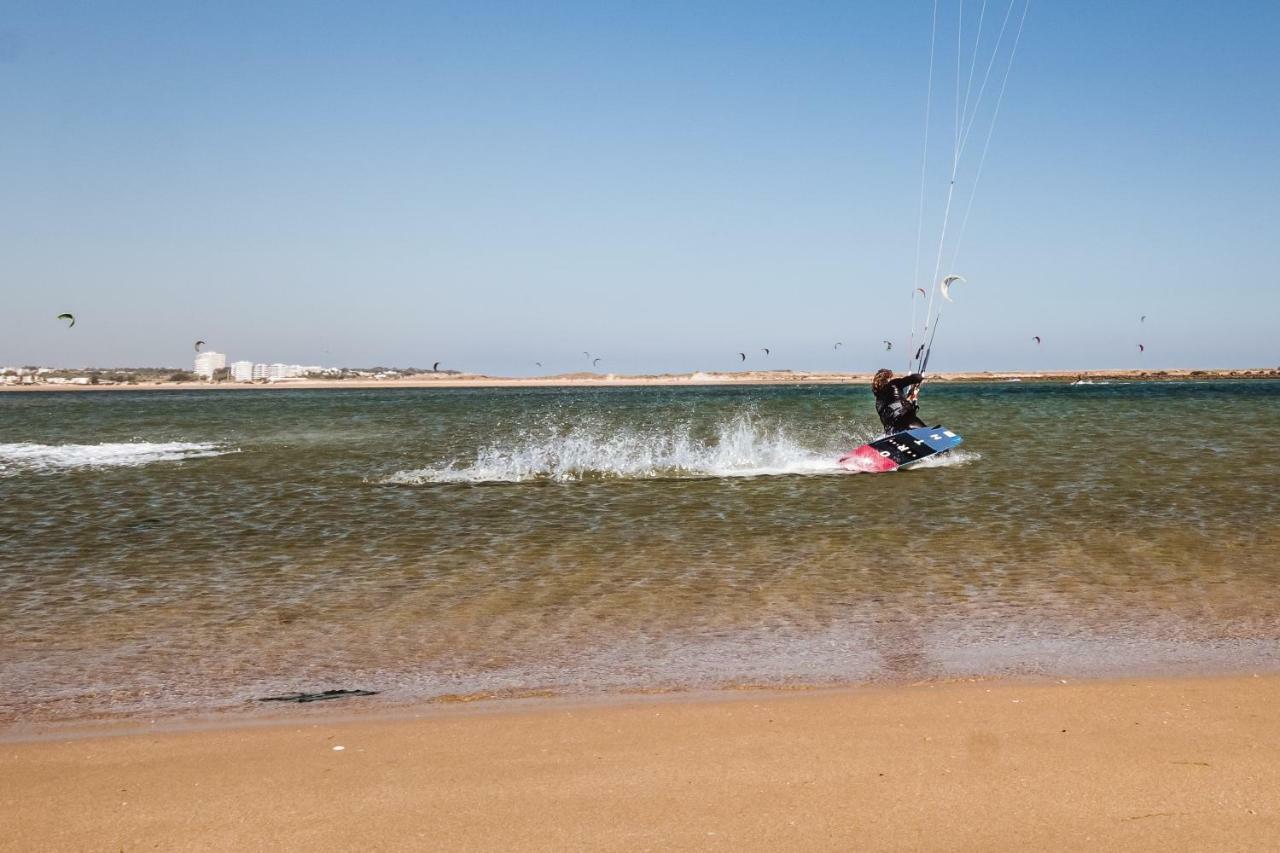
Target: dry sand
1183 764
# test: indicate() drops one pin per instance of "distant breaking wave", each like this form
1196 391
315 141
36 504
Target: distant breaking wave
56 457
739 448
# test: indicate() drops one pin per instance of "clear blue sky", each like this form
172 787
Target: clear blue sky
662 184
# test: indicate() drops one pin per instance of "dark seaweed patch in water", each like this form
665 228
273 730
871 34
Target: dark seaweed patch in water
318 697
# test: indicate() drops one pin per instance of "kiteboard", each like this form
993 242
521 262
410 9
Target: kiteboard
900 450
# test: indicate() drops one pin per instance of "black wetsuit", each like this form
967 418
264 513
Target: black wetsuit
896 412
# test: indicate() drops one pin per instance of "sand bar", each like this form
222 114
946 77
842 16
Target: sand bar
1178 764
610 380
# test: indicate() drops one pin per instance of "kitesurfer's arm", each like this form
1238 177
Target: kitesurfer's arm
905 382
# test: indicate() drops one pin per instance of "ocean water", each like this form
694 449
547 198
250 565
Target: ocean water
170 553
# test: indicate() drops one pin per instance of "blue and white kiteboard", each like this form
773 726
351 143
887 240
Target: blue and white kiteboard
900 450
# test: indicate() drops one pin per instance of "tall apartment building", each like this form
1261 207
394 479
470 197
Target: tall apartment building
242 371
208 362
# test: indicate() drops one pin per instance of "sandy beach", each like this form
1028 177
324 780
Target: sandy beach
1182 764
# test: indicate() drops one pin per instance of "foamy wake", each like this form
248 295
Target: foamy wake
947 460
55 457
740 448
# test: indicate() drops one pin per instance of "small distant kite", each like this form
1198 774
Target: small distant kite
594 362
198 345
888 345
537 364
435 367
766 350
1036 338
1141 348
838 345
1142 319
945 287
742 355
587 354
69 317
919 290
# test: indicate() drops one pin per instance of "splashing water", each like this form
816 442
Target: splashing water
741 447
946 460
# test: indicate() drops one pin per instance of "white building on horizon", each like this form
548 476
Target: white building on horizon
285 371
242 371
208 362
249 371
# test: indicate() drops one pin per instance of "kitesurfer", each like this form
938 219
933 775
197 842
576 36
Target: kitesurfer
894 404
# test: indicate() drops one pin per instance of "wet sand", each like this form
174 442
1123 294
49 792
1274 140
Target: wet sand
1153 764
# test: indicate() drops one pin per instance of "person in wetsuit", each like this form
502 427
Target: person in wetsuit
894 405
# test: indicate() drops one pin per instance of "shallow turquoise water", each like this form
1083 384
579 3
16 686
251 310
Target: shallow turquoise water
169 552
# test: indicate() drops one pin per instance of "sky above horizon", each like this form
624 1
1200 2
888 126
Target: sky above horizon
661 185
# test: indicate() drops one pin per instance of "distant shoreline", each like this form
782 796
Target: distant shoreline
698 379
